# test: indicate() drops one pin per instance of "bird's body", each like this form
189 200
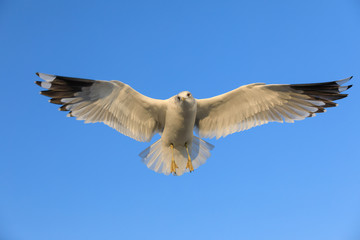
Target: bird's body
176 143
180 120
175 119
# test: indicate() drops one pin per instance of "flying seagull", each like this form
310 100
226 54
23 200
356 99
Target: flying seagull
177 151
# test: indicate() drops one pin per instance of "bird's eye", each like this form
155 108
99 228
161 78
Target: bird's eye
189 94
178 98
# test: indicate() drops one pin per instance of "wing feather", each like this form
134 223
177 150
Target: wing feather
112 102
257 104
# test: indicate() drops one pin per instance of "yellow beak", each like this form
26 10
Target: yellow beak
182 99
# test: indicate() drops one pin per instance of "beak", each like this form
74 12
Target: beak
182 99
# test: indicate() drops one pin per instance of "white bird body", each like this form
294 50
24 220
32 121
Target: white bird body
180 120
178 131
175 119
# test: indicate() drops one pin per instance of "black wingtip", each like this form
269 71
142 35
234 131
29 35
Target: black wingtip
38 74
348 87
38 83
63 108
56 101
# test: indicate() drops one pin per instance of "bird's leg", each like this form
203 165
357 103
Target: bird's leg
189 163
173 164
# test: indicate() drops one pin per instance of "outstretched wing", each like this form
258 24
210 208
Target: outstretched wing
256 104
112 102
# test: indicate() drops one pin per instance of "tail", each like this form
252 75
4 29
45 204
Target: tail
158 156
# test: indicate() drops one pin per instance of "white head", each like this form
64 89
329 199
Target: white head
184 99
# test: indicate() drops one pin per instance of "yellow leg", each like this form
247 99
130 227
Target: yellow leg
173 164
189 163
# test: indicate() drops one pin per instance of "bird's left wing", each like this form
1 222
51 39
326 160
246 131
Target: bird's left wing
256 104
112 102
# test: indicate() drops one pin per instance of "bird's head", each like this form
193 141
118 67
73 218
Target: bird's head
184 98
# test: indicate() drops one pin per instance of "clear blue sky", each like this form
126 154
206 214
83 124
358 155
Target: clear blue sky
63 179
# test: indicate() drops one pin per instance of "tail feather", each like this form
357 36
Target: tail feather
200 151
158 156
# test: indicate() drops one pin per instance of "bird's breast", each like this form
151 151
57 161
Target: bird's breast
179 126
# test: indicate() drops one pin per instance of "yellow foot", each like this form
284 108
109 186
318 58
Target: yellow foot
189 165
173 167
173 164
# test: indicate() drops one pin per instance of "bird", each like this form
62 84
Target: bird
176 119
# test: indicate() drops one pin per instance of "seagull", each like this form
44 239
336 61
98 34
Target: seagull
176 119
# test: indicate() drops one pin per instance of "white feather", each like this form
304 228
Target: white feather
47 77
158 156
252 105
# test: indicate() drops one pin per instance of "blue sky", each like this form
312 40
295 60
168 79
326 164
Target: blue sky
63 179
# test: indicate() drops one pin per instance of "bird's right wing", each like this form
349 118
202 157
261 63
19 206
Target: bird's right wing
256 104
112 102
